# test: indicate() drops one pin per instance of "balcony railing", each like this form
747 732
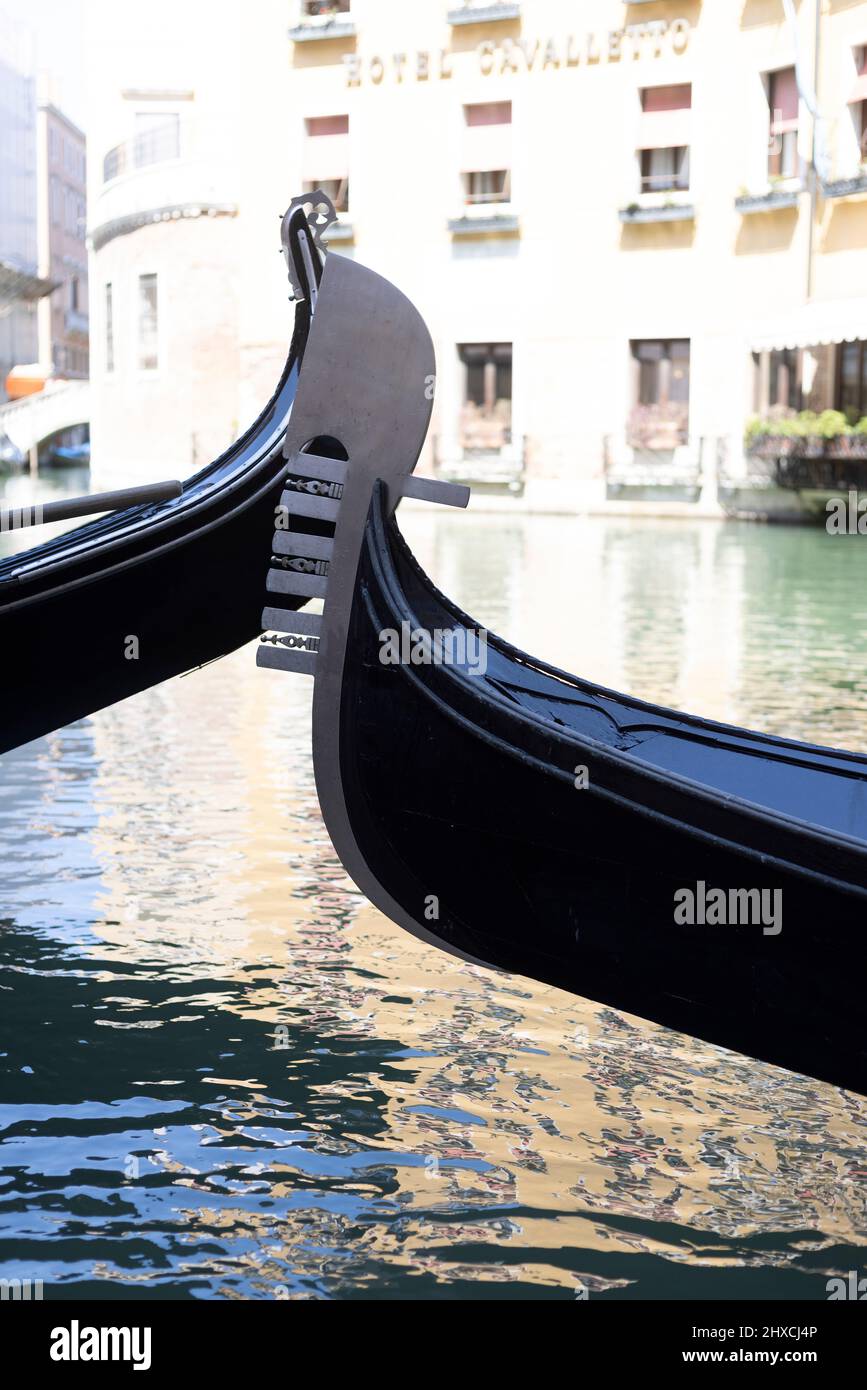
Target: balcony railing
656 207
499 469
479 218
674 473
323 19
483 12
658 426
150 147
850 187
769 200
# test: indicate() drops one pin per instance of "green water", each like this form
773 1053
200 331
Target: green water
226 1075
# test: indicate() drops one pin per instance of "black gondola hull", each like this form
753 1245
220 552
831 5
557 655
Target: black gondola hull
126 601
467 813
91 644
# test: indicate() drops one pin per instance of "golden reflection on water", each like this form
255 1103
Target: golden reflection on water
529 1138
381 1117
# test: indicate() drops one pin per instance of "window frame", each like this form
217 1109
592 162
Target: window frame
108 337
494 358
493 200
860 345
141 367
788 137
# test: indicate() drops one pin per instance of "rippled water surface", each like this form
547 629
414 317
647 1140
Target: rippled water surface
226 1075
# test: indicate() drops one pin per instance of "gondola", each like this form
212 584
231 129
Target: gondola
158 588
707 878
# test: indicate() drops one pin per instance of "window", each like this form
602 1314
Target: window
157 137
783 139
487 153
660 415
858 101
664 139
73 294
326 158
783 379
486 411
109 330
665 169
487 186
148 358
663 371
852 380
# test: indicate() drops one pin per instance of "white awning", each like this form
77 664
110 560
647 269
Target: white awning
326 157
662 130
487 147
829 321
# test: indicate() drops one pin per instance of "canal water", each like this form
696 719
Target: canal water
226 1075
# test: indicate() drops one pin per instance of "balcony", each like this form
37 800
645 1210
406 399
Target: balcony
496 469
485 217
642 473
478 12
154 146
319 20
659 207
852 187
769 200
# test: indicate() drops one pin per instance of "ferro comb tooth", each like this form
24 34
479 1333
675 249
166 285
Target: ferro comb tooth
307 547
315 466
284 620
301 585
306 504
279 659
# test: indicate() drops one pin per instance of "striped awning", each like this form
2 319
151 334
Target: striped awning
827 321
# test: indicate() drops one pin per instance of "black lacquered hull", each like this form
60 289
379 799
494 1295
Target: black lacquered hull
462 797
126 601
70 654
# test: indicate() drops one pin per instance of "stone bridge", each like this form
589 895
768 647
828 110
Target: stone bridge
33 418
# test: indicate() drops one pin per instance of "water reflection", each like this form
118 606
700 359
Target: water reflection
226 1075
24 490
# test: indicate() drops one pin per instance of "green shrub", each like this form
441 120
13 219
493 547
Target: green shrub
830 424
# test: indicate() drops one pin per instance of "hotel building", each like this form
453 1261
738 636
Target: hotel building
630 226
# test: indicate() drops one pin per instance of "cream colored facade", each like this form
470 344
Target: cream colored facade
163 179
570 270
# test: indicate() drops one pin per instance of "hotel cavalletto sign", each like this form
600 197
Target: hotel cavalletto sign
652 39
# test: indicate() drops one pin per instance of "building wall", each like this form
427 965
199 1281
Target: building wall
164 207
18 344
578 282
62 200
168 421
